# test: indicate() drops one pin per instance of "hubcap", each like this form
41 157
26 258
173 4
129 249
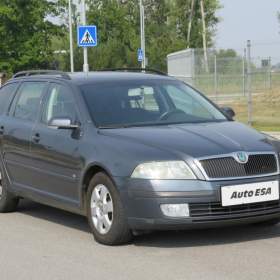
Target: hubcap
1 187
101 205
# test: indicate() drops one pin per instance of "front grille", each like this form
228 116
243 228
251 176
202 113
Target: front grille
228 167
214 210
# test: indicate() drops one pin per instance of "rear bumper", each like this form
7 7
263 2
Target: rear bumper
142 200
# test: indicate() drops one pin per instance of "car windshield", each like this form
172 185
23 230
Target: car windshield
147 102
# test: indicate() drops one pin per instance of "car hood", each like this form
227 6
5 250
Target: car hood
196 140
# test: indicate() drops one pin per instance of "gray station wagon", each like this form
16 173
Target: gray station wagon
134 152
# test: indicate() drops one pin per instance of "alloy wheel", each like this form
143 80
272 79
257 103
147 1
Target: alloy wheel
101 205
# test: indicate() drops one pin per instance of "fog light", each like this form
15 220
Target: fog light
175 210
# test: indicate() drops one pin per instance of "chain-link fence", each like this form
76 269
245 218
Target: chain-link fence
251 85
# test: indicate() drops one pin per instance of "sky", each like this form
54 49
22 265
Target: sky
256 20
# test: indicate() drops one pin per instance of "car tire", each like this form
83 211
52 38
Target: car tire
105 212
269 223
8 201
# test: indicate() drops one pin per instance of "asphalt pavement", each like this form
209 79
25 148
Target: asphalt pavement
40 242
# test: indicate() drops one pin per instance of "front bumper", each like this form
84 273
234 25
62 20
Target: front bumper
142 200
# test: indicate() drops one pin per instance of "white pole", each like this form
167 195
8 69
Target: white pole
204 36
71 37
84 22
190 24
142 28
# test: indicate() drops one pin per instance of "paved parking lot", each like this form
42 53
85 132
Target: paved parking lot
40 242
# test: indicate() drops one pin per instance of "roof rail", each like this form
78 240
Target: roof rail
145 70
41 72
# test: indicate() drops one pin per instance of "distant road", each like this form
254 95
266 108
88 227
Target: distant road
273 134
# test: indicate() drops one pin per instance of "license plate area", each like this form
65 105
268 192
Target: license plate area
249 193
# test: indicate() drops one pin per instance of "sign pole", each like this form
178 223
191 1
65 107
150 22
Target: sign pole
142 28
84 20
71 37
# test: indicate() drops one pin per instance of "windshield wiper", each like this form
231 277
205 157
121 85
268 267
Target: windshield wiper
157 124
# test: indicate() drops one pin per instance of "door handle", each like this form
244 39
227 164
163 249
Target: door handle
36 138
2 129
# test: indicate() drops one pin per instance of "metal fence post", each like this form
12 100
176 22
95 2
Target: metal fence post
244 72
249 84
269 73
215 78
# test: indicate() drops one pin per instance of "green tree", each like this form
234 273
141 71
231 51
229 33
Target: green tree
181 15
229 62
118 40
62 40
166 30
26 33
32 32
161 35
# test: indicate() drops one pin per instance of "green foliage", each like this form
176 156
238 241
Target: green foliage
166 30
32 35
229 62
161 35
181 15
117 33
26 34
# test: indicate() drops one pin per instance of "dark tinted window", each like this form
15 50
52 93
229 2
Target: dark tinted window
28 103
6 96
147 103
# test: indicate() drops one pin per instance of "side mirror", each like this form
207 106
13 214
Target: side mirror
229 112
62 123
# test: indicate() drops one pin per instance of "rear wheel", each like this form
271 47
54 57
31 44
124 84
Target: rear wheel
105 212
8 202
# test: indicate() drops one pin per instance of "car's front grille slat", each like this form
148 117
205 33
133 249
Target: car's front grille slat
216 209
228 167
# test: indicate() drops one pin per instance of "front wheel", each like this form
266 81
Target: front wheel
105 212
8 202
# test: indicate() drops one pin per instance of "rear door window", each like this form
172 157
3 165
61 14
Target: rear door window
29 100
60 104
6 96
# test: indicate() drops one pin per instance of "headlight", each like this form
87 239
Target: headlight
163 170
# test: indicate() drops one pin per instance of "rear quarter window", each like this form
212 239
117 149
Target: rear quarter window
27 104
6 96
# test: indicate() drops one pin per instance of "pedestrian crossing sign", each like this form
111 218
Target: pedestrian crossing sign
87 36
140 55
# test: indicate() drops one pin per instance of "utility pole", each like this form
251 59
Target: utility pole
204 35
190 24
71 37
84 22
142 32
249 85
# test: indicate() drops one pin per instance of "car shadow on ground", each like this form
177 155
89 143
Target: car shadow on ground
53 215
161 239
207 237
